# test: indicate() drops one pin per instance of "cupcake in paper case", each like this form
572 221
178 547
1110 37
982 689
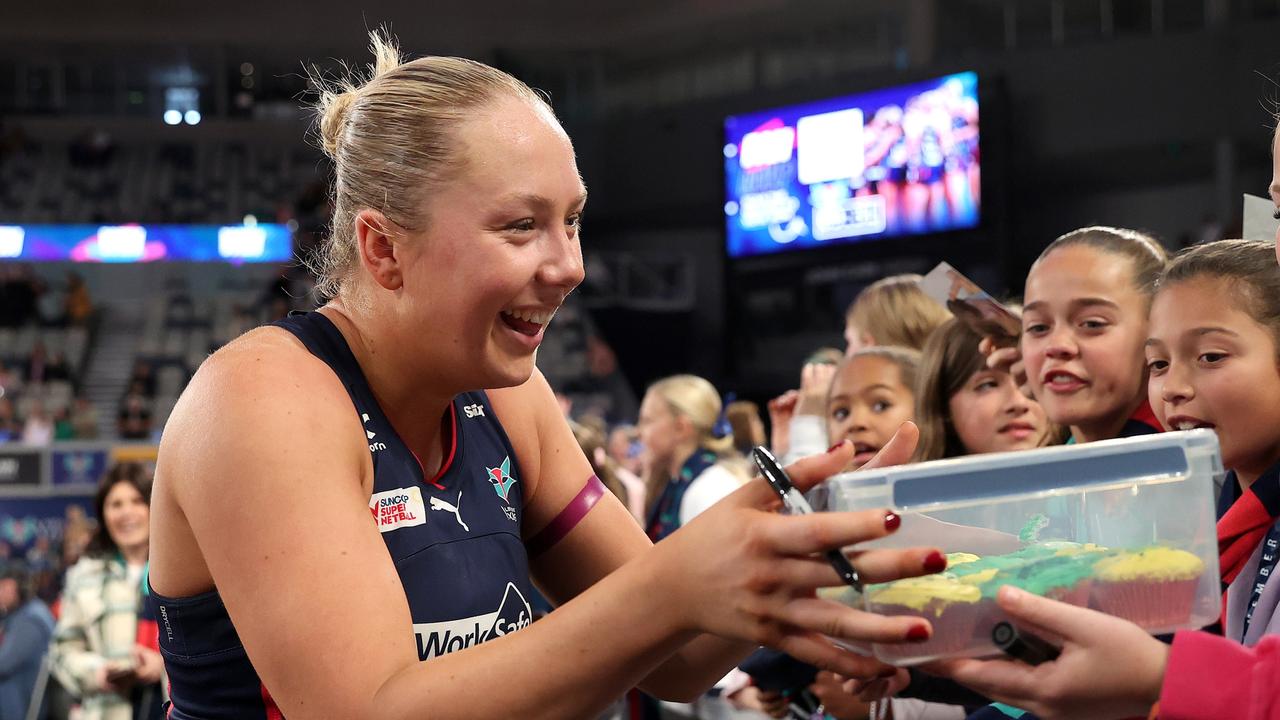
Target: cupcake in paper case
1155 587
951 607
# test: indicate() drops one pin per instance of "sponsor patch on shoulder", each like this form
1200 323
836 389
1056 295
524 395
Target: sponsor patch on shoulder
394 509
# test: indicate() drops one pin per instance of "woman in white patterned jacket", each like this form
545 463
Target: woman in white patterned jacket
104 647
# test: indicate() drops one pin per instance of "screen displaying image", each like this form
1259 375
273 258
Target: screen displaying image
891 162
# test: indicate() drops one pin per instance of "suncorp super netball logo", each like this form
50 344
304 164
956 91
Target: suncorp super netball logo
394 509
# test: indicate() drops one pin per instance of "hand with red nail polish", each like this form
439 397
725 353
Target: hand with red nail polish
935 562
742 571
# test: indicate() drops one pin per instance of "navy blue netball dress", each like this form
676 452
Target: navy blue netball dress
454 538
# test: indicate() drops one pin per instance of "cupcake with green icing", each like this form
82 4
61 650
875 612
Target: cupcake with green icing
982 570
1155 587
1066 578
950 606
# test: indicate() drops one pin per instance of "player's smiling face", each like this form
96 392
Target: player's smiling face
501 250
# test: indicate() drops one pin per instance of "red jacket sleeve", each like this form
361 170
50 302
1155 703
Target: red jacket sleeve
1213 678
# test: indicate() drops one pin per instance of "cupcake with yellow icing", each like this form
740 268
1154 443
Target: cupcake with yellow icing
1154 587
950 606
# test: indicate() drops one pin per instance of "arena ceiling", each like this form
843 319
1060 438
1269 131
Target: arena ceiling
472 28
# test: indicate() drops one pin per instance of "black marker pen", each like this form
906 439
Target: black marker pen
797 505
1024 646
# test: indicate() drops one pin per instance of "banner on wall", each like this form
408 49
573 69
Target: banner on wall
27 523
79 467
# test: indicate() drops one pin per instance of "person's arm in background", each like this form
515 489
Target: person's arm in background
25 638
808 425
781 410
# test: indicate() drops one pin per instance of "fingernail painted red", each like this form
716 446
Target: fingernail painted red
891 521
935 562
835 447
918 633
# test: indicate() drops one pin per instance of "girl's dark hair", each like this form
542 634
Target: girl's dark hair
1147 255
1248 266
949 359
741 414
101 544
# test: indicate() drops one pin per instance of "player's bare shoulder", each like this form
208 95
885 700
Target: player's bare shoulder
265 377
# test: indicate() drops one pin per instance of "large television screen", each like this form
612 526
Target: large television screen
146 243
892 162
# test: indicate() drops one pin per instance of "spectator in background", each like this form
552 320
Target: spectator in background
38 429
77 531
104 647
62 427
143 380
84 419
688 450
134 421
24 638
748 426
591 440
10 428
40 555
78 306
624 448
892 311
798 417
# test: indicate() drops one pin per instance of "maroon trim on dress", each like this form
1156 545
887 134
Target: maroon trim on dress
453 451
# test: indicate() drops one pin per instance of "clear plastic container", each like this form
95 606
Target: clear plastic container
1122 526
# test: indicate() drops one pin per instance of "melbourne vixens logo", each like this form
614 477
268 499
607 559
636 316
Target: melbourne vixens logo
501 479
